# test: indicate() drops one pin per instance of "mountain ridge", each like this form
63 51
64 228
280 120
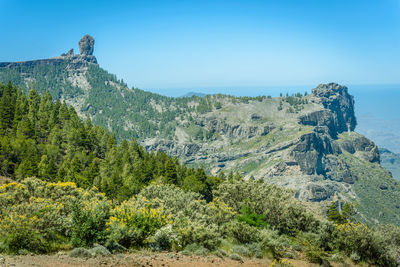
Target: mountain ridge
303 142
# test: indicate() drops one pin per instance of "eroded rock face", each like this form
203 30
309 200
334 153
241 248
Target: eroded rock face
236 130
86 45
338 115
362 146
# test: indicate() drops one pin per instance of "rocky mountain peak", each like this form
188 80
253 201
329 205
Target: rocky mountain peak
86 45
338 113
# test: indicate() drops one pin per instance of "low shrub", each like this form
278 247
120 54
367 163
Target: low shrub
242 232
99 250
188 232
241 250
80 253
272 242
163 238
236 257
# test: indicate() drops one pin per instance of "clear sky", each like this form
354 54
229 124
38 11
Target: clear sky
194 44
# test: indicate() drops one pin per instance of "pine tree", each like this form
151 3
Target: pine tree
334 215
170 174
348 211
7 108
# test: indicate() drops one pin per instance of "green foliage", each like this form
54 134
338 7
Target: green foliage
277 206
130 226
250 217
88 223
48 140
243 232
341 218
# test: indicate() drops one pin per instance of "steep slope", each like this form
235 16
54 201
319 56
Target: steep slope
303 142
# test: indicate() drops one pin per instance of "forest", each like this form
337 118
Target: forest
70 186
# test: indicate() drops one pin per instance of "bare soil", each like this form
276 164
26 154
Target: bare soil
140 259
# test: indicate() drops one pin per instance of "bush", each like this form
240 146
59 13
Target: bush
355 257
99 250
242 232
89 223
130 227
188 232
80 253
337 258
272 242
196 249
236 257
241 250
163 238
277 205
18 232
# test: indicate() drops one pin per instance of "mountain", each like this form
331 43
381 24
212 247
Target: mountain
190 94
391 161
303 142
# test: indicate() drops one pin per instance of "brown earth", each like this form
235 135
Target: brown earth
141 259
4 180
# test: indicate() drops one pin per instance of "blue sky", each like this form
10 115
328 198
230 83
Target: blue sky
215 44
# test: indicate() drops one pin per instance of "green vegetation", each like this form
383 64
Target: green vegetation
74 186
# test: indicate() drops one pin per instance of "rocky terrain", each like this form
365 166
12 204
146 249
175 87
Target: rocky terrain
303 142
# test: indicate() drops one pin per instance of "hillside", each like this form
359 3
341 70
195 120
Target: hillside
75 190
303 142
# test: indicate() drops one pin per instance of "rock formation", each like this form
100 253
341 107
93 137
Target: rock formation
338 113
86 45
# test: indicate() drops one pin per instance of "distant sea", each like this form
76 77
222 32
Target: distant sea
377 106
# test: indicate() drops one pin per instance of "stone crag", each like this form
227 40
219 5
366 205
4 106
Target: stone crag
86 57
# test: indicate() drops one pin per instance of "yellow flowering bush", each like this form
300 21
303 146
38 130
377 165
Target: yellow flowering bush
39 216
358 238
18 231
130 226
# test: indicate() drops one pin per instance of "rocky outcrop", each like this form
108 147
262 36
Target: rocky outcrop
173 148
338 113
68 59
317 153
310 150
86 45
357 144
235 131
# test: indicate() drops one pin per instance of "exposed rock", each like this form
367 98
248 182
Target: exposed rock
173 148
361 146
237 130
70 53
86 45
310 150
337 170
338 115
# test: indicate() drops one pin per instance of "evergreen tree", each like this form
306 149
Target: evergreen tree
334 215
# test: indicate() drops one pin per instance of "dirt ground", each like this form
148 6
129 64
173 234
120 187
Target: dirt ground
138 260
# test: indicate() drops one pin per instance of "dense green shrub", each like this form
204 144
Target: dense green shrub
277 205
242 232
89 223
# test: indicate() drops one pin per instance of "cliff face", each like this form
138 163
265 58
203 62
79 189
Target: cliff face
338 113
